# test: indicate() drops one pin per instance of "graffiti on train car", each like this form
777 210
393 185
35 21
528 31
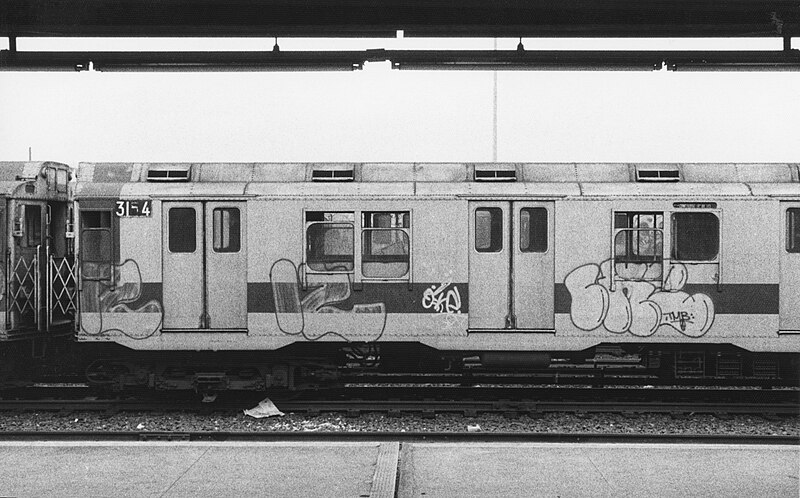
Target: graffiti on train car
636 305
442 302
295 307
116 304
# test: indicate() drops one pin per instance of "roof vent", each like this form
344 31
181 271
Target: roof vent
171 173
332 175
658 175
493 174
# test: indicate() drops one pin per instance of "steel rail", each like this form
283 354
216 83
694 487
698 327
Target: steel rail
471 437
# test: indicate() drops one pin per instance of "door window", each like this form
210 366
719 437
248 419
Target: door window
533 229
227 230
96 244
33 225
488 229
793 230
182 230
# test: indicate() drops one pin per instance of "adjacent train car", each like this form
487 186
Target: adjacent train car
688 269
38 297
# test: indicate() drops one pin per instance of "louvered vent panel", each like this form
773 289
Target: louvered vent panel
169 174
495 175
332 175
658 175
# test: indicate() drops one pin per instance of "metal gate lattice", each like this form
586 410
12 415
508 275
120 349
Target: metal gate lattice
63 295
23 288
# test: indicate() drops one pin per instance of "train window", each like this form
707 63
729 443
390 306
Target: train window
182 229
639 237
95 219
533 229
329 241
394 219
385 245
227 230
33 225
62 179
695 236
488 229
793 230
96 245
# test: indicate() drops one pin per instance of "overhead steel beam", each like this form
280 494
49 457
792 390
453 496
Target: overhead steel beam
787 60
487 60
181 61
383 18
524 60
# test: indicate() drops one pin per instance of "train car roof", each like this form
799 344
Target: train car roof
557 180
15 174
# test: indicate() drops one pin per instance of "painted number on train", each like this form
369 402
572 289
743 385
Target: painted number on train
133 208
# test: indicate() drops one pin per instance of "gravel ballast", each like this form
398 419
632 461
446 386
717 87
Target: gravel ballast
647 424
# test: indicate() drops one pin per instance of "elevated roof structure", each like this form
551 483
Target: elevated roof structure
778 19
383 18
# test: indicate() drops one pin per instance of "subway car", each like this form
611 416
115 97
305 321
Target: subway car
38 296
246 276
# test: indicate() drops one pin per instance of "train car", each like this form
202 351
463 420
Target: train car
245 276
38 298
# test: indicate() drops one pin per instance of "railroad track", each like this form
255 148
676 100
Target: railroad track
343 436
428 401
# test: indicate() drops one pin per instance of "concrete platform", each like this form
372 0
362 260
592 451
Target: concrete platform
311 469
596 470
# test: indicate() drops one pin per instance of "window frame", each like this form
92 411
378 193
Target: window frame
492 225
307 225
630 245
673 243
169 229
407 230
230 249
787 233
530 249
32 242
111 235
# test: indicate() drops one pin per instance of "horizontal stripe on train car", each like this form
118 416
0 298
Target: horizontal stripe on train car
755 299
742 299
396 297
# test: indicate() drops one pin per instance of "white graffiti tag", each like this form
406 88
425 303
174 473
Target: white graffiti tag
441 301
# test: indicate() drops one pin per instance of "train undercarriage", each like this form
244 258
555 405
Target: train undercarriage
110 367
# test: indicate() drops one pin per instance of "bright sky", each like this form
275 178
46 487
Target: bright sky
379 114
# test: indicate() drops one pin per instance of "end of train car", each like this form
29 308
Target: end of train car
38 291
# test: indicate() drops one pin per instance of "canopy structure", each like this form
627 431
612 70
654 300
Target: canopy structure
778 19
382 18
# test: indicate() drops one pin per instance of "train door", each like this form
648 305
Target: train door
183 265
226 265
790 267
489 258
533 265
26 276
204 265
511 265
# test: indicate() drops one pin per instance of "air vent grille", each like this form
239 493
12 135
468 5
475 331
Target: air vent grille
495 175
176 174
658 175
332 175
